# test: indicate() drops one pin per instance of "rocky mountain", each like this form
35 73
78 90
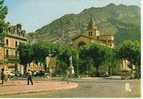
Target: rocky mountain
120 20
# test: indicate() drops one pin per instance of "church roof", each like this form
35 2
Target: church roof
82 36
91 24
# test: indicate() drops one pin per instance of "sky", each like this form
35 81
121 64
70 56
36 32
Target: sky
33 14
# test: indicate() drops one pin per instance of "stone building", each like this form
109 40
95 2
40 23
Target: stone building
93 35
11 38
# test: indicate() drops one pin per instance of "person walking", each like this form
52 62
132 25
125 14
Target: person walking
2 76
29 77
67 75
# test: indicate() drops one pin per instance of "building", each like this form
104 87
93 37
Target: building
10 39
93 35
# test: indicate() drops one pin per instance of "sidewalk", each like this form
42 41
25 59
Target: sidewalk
110 77
20 86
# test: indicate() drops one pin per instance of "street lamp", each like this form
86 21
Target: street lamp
71 62
77 56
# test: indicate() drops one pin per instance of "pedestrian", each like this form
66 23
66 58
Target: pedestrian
2 76
67 75
29 77
6 76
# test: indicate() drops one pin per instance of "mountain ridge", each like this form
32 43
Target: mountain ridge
117 20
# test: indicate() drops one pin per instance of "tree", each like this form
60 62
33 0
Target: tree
130 50
109 59
63 58
39 53
112 60
137 58
95 54
25 55
3 13
63 55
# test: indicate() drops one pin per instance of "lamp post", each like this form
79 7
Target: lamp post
49 67
77 65
71 62
77 57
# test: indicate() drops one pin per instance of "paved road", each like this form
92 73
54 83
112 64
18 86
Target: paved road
93 87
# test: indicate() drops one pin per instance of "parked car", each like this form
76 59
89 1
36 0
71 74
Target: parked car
39 73
8 74
125 74
11 74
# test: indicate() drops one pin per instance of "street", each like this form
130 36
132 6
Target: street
91 87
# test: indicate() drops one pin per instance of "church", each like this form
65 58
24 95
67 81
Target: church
93 35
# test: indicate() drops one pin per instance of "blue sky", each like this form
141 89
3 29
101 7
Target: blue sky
33 14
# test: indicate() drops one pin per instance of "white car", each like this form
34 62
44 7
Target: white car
9 74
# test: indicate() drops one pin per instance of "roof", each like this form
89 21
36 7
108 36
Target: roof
82 36
106 37
16 37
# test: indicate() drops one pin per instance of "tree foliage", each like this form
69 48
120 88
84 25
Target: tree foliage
131 51
96 55
3 13
25 54
88 58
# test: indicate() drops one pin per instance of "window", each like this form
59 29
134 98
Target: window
7 53
6 42
16 44
16 54
90 33
23 34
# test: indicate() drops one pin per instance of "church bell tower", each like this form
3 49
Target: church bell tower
92 29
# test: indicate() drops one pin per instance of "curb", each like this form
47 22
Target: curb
63 87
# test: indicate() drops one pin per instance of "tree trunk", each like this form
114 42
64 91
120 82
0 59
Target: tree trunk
25 69
109 70
132 72
97 71
138 71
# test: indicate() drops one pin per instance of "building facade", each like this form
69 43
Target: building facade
12 37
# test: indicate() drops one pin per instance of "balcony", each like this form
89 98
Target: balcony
10 57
